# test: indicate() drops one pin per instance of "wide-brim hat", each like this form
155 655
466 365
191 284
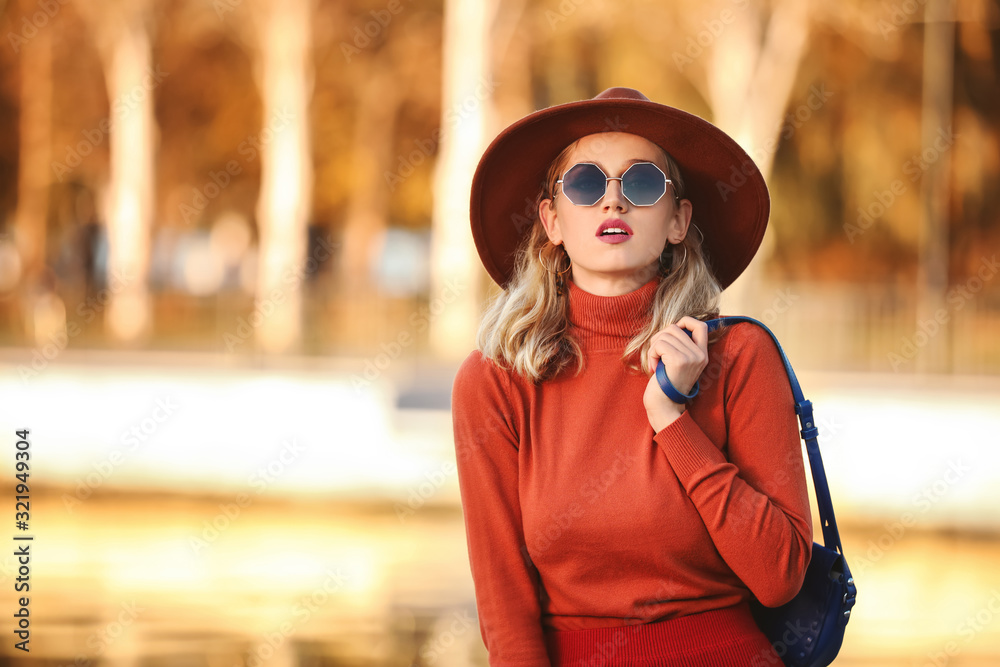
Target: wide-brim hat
728 194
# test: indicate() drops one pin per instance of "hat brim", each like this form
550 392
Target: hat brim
729 197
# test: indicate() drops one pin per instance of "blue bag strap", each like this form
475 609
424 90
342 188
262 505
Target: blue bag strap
809 432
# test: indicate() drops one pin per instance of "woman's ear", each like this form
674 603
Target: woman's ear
547 214
680 221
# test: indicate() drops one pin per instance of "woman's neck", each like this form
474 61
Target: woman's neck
610 284
606 322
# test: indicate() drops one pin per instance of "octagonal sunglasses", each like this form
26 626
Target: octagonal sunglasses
643 184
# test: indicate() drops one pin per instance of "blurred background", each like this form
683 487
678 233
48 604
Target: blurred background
236 280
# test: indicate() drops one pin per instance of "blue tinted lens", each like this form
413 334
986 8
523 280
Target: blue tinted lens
584 184
643 184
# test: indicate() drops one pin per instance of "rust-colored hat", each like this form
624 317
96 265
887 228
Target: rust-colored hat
726 189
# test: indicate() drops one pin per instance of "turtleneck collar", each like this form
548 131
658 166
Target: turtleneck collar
603 322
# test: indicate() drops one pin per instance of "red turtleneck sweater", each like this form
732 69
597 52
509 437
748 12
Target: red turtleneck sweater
579 516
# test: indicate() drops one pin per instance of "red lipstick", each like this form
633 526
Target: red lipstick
617 231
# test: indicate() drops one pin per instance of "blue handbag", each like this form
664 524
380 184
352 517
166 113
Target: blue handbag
809 630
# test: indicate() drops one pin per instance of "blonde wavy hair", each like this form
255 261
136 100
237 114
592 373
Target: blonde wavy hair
525 328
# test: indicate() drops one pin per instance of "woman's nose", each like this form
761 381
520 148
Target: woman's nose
613 198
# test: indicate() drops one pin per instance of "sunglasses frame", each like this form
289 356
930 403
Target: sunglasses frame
620 182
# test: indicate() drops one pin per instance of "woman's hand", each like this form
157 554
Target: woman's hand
684 358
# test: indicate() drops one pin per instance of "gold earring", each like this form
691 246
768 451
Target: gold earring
550 270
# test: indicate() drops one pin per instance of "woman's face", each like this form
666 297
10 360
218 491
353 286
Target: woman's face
609 265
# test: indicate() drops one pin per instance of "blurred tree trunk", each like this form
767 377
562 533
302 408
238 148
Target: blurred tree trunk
122 33
33 175
751 73
749 78
284 68
511 56
467 85
368 208
939 65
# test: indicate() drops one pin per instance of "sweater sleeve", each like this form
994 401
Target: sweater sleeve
506 582
754 504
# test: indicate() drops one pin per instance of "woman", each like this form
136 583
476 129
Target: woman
608 524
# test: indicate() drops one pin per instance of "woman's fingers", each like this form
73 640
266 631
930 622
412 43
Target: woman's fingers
683 349
698 329
684 355
674 338
673 353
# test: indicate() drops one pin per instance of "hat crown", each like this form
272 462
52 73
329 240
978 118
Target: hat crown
619 93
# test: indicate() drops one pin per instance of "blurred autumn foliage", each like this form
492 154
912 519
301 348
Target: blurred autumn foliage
830 100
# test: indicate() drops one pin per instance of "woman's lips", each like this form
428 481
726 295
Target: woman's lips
619 231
